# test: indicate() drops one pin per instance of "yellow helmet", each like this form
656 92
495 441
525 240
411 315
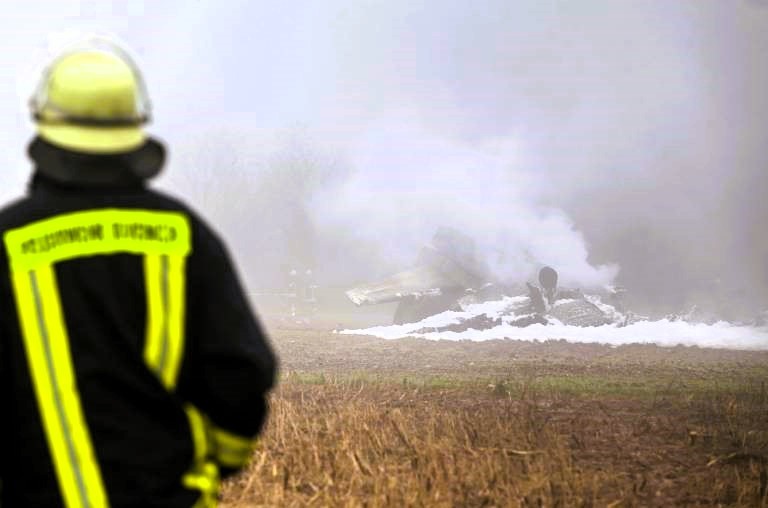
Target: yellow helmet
92 99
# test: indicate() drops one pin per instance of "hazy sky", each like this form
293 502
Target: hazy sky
605 137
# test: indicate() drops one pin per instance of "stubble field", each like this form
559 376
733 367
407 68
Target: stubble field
359 421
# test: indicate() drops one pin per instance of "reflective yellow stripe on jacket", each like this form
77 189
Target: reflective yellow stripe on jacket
163 349
163 238
232 450
50 364
164 345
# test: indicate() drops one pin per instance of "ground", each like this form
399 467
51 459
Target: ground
360 421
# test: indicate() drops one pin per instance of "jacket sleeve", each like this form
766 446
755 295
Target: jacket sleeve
228 367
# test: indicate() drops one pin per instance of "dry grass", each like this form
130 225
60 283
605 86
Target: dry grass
619 436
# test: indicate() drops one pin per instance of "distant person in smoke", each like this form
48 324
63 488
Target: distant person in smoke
133 371
548 281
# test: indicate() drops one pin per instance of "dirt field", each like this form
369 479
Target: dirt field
358 421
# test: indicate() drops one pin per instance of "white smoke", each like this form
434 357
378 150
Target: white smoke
407 182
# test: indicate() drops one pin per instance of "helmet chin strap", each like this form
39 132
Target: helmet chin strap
57 115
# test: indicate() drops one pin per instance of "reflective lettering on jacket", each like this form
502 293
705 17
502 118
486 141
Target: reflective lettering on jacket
163 239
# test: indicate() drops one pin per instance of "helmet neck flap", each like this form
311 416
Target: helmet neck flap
75 169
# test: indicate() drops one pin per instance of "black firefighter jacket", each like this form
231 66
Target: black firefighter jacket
132 369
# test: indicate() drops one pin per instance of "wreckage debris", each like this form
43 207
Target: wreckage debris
449 276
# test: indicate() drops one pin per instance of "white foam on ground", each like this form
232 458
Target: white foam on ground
663 333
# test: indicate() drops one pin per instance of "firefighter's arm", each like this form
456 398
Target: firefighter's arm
229 366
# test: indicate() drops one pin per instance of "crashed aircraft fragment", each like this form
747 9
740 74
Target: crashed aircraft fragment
449 276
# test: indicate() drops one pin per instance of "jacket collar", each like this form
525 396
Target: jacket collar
67 169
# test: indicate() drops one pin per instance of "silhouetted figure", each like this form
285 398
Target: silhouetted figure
548 282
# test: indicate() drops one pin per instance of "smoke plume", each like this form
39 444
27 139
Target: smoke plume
613 140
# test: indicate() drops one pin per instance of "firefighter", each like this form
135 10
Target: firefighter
133 372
